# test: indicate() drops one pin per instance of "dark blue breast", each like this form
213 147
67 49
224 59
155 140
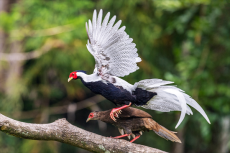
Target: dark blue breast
117 95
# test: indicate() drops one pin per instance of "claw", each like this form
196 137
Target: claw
116 114
112 114
116 111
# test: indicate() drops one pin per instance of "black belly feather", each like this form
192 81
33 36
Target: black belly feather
118 95
143 96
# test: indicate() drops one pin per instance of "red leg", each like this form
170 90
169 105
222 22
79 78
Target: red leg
135 138
121 136
116 111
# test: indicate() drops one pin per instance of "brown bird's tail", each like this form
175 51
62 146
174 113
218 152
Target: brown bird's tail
168 135
162 131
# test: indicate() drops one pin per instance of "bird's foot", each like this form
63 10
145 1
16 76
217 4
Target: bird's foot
135 138
126 135
116 111
121 136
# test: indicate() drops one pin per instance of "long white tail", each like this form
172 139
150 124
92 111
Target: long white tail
169 98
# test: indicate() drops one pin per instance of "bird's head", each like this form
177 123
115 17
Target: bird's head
93 116
73 75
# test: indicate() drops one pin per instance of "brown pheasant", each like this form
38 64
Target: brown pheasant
133 122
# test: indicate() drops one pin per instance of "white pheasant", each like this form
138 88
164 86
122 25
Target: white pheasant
116 56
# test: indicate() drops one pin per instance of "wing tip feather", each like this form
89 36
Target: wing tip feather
95 12
101 33
138 59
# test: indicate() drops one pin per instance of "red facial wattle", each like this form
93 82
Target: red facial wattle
73 75
91 115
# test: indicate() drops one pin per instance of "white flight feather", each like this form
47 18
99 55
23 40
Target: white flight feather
94 23
103 27
195 105
182 102
99 24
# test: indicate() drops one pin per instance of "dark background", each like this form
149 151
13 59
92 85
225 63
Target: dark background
184 41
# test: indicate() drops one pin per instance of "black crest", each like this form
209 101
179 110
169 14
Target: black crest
81 71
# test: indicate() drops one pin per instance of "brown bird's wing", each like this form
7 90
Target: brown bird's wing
126 114
131 112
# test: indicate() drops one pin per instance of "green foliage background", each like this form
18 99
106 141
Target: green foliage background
184 41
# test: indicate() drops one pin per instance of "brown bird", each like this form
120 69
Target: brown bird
133 122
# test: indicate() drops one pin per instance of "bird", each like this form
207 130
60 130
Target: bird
116 56
132 122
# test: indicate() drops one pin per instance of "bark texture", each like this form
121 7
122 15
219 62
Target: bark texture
62 131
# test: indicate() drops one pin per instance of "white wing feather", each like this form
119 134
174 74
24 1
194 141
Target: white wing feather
169 98
113 50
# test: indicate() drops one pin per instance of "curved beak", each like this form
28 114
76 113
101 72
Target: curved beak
70 79
88 119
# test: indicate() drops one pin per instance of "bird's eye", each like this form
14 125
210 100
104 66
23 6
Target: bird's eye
91 115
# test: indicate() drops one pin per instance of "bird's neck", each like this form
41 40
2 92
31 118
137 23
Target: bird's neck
105 117
88 78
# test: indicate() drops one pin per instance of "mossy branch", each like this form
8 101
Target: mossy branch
62 131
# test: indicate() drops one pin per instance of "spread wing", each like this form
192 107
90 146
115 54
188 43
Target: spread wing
113 50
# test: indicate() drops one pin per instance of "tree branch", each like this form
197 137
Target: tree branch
33 54
70 108
62 131
25 32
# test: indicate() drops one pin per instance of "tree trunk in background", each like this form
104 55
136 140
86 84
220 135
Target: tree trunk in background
179 147
220 136
5 6
224 138
10 71
14 68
